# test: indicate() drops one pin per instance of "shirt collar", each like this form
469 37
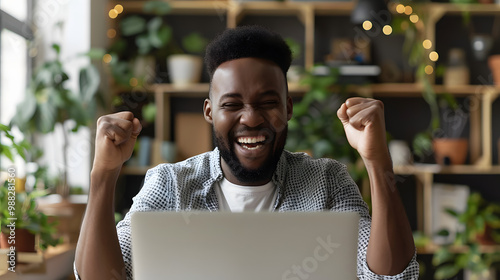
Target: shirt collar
216 175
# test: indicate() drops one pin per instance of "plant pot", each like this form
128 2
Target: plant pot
494 64
184 69
487 275
24 240
453 149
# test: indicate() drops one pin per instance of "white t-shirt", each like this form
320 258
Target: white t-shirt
236 198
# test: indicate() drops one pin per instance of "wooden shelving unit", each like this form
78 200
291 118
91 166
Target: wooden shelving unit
234 11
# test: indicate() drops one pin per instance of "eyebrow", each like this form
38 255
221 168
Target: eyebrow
238 95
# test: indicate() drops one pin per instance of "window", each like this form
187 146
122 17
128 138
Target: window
15 64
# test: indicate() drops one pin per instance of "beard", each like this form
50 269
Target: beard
247 175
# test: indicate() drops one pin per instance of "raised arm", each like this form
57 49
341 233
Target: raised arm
391 245
98 253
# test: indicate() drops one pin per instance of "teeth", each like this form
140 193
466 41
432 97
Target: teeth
251 140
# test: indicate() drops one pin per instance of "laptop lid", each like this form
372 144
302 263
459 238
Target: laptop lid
245 246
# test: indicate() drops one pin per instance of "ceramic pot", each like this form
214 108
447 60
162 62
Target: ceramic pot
453 149
24 240
184 69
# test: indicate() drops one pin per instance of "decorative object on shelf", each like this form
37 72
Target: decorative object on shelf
494 64
481 45
400 153
169 151
49 103
144 153
315 126
457 73
450 148
449 151
186 69
478 216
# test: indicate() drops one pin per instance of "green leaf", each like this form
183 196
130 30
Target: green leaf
5 150
451 212
133 25
143 44
157 7
95 53
445 272
57 48
441 256
89 83
194 43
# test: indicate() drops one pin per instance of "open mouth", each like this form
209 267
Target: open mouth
251 142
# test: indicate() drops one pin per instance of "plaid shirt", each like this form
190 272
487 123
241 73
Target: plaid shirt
303 184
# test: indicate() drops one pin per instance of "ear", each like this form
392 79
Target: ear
207 111
289 107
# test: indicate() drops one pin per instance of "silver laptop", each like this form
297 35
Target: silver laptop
244 246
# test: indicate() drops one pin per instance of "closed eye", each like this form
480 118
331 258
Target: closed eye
231 105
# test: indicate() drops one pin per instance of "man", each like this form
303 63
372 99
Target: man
249 107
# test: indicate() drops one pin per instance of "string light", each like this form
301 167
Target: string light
367 25
429 69
387 30
427 44
119 8
113 13
414 18
133 82
107 58
400 8
111 33
434 56
408 10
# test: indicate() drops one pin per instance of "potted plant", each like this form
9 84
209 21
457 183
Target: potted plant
19 216
479 226
295 72
186 68
315 127
49 103
142 41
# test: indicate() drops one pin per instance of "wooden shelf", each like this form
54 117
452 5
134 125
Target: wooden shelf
432 248
262 7
201 90
415 90
452 169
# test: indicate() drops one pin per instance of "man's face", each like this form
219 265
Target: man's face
249 109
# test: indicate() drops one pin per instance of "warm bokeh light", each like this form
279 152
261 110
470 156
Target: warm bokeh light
133 82
113 13
119 8
387 30
111 33
414 18
400 8
408 10
367 25
427 44
434 56
429 69
107 58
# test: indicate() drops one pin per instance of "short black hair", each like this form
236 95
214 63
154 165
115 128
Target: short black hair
248 41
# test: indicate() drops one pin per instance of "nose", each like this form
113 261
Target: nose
251 117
